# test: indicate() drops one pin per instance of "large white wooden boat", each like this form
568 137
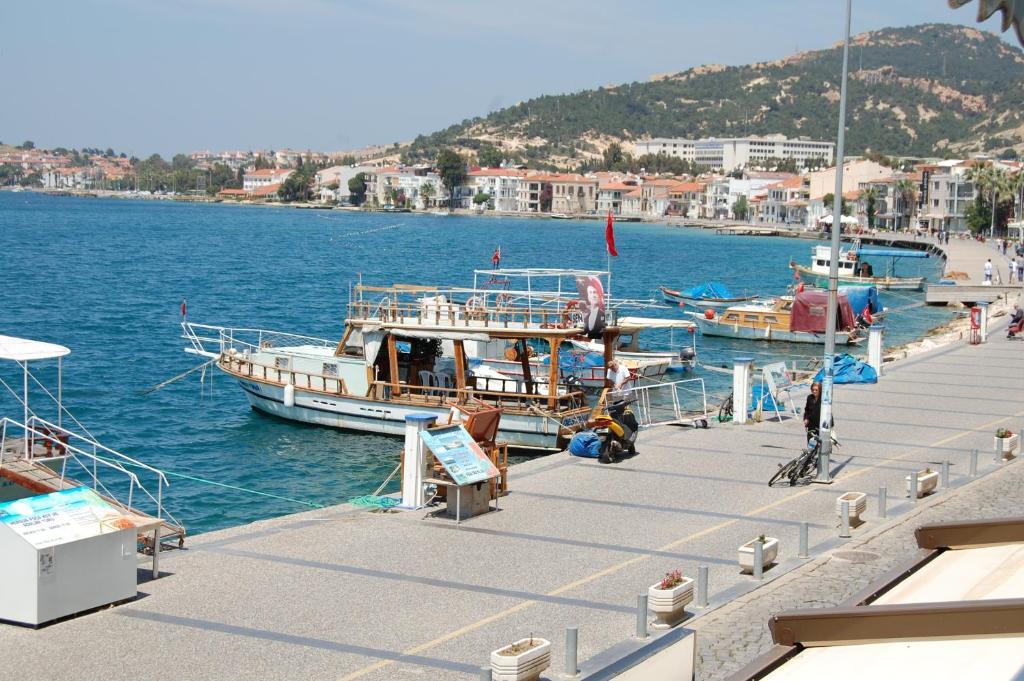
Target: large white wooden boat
411 349
855 270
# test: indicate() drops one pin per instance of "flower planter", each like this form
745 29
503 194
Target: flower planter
669 605
858 504
1007 445
768 555
518 662
927 481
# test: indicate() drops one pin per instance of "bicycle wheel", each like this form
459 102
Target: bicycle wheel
784 471
725 411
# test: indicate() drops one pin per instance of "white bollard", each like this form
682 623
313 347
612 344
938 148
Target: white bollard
741 389
983 332
414 460
875 347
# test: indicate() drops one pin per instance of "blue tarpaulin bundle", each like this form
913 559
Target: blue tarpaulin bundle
861 297
710 289
848 369
585 443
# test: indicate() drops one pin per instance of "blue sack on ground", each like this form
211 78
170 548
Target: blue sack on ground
846 369
585 443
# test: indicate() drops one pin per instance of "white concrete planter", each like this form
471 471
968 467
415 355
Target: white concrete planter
858 504
927 481
1007 445
768 555
524 666
669 605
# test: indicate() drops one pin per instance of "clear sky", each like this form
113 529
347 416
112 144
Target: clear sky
168 76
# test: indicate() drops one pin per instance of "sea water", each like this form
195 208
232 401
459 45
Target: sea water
106 278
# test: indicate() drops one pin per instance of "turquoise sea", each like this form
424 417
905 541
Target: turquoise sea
106 278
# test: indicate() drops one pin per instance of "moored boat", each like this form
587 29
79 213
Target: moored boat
797 319
855 270
710 294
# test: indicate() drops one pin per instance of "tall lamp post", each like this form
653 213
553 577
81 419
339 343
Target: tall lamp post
825 426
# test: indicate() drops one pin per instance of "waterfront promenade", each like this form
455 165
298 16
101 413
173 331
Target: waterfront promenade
344 593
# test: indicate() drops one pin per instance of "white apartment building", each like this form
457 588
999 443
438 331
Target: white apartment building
501 184
738 152
385 185
257 179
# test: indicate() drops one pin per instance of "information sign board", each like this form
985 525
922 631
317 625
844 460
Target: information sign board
61 517
460 455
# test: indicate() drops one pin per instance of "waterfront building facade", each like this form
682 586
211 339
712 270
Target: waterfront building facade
500 184
258 179
404 185
739 152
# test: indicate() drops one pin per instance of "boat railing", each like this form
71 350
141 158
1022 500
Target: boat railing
89 457
488 310
241 365
514 398
210 340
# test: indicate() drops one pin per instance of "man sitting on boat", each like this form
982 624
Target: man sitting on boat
866 270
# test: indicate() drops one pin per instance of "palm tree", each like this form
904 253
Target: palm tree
906 195
427 192
870 198
991 183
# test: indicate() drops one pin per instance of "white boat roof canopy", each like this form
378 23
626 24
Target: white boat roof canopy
26 350
655 323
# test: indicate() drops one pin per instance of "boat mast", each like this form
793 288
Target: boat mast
825 425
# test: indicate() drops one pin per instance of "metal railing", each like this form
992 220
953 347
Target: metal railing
209 340
660 403
86 456
241 366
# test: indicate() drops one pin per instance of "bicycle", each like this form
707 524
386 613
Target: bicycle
805 464
725 411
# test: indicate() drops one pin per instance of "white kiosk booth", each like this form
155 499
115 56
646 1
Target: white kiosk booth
64 553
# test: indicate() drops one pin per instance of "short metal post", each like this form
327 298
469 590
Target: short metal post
641 616
974 463
844 517
883 501
156 554
485 674
945 474
571 649
759 559
702 586
913 486
805 528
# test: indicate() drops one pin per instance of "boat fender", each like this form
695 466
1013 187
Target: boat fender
709 313
289 395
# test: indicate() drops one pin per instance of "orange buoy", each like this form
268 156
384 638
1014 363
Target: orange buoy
709 313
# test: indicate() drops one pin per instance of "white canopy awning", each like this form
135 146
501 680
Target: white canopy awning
843 219
655 323
441 335
25 350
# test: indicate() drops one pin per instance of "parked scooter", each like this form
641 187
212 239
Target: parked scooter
617 428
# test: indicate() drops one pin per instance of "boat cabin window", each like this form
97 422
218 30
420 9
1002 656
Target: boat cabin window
751 318
330 369
281 362
771 319
822 263
731 317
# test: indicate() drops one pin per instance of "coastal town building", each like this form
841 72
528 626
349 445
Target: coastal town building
685 199
419 186
610 194
855 173
785 202
946 193
500 184
253 180
739 152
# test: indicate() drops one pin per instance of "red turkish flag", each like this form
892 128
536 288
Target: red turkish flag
609 235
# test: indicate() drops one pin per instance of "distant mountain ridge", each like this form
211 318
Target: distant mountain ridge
920 90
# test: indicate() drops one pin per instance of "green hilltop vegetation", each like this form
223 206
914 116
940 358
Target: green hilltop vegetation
930 90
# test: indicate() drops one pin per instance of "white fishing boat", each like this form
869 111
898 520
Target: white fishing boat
707 295
408 349
855 270
649 363
797 319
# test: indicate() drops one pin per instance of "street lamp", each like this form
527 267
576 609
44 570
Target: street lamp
825 425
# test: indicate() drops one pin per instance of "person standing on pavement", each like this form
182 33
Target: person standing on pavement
812 411
1013 270
988 271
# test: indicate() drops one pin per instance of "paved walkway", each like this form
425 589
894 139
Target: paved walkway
343 593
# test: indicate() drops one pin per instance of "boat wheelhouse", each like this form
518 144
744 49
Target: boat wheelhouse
855 270
797 319
414 349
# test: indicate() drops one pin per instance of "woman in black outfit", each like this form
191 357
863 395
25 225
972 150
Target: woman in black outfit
812 411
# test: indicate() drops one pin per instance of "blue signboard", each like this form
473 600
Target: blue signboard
460 455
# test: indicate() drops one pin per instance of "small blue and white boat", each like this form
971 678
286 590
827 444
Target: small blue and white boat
710 294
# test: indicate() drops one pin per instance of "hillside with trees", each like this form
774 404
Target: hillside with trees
930 90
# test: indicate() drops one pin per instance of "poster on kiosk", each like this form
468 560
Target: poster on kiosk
64 553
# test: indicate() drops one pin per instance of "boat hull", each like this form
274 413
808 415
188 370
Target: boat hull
679 298
886 283
388 418
715 328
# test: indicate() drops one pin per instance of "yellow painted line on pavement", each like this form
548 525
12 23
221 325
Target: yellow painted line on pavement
618 567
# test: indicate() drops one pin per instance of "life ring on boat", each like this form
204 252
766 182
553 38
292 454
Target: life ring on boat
474 306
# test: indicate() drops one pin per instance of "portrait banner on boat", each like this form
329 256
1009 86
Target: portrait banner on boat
591 304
